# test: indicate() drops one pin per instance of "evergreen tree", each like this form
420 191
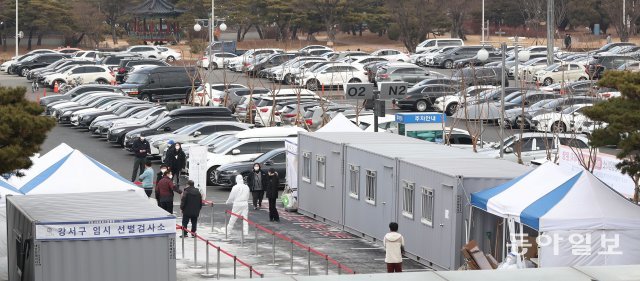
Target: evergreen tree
22 129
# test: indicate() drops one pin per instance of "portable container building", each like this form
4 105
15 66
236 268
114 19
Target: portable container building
320 166
89 236
433 205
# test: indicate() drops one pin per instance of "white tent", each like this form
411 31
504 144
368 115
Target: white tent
76 173
580 220
339 123
41 163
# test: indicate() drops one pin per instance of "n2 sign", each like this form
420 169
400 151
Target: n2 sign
360 91
393 90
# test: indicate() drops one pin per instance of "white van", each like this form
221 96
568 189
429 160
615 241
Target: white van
430 44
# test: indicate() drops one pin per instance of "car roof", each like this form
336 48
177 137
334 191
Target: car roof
269 132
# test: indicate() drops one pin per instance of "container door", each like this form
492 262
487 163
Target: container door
388 197
444 222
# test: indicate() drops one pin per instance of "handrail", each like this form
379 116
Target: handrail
287 239
251 268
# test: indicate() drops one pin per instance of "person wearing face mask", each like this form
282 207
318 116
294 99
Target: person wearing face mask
141 149
147 178
176 160
273 184
257 182
159 175
238 197
164 192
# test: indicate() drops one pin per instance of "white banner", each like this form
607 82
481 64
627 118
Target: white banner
198 168
605 168
291 146
105 229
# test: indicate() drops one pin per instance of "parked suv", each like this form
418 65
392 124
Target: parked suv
402 73
38 61
276 159
430 44
125 66
161 83
600 63
150 52
446 60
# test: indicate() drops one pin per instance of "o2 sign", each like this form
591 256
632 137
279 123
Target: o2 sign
359 91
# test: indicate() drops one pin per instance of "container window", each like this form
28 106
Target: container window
427 206
371 183
354 181
306 167
408 191
321 173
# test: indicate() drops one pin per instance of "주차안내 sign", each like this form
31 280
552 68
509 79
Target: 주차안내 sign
604 169
105 229
414 118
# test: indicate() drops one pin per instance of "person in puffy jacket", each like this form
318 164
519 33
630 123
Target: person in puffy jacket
147 178
238 197
273 184
176 160
190 205
141 149
394 247
164 192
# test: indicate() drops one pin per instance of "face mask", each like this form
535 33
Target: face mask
163 170
142 138
256 168
177 147
170 176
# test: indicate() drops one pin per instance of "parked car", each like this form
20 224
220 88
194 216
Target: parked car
161 83
213 95
430 44
331 75
126 65
392 55
480 76
82 89
535 146
275 159
423 99
233 95
449 104
90 74
219 60
596 66
445 60
168 54
146 51
401 73
561 72
192 133
570 119
22 68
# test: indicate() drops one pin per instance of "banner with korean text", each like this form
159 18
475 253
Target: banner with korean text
105 229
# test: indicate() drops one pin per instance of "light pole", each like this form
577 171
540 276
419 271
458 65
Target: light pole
482 42
550 31
17 28
503 49
483 55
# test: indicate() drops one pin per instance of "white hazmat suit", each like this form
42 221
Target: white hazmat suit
239 197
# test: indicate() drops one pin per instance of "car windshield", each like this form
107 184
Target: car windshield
211 138
184 130
226 145
551 67
571 109
137 78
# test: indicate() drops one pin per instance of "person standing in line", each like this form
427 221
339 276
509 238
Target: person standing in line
238 197
394 248
147 178
609 40
141 149
257 181
164 192
159 175
273 183
176 160
190 205
567 41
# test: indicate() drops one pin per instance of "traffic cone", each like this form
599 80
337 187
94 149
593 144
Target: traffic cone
55 87
44 92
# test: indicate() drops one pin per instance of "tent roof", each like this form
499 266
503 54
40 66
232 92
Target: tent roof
156 8
554 198
76 173
40 164
339 123
7 188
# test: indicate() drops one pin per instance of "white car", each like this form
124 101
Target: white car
534 146
392 55
59 76
449 104
219 60
264 108
149 52
91 74
385 123
238 63
86 55
213 94
314 47
359 62
565 72
570 119
331 75
192 133
168 54
247 145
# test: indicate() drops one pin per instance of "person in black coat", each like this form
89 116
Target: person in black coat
273 184
190 204
257 182
141 149
176 160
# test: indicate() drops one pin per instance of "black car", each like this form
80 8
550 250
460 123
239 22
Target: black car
23 68
446 59
600 63
113 60
116 134
82 89
179 118
64 114
273 60
423 99
474 61
85 119
104 119
226 174
125 66
162 83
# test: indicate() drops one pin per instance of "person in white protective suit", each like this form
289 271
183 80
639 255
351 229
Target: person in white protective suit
239 197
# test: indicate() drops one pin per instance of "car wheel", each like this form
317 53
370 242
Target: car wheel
582 78
287 79
548 81
24 72
421 105
466 65
171 59
102 81
451 108
214 65
558 127
211 175
354 80
313 85
147 97
152 57
448 64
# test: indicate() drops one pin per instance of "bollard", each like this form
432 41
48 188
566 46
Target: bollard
218 264
326 267
226 226
195 252
206 265
309 259
182 237
235 260
273 249
291 264
251 272
212 212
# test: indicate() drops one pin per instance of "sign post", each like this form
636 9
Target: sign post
363 91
